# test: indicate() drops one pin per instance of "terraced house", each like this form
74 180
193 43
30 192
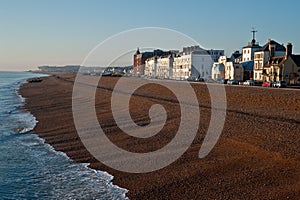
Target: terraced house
279 64
264 57
192 61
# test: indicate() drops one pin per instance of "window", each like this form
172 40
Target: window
248 51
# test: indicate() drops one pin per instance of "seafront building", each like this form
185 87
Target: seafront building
249 50
192 61
139 59
227 68
268 52
281 65
291 69
239 66
271 62
160 66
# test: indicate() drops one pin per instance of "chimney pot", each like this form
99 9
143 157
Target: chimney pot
289 49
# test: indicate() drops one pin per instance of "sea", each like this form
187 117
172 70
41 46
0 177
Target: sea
31 169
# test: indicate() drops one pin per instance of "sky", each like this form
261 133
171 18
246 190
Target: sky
63 32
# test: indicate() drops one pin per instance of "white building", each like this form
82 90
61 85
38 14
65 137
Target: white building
182 67
151 66
160 66
195 63
249 50
164 67
226 68
192 61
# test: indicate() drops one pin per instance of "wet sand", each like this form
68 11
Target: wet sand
256 157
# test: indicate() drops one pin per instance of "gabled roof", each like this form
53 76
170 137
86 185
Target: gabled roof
240 57
278 47
235 55
278 60
296 59
248 65
137 51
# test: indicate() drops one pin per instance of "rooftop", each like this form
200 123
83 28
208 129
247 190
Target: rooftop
296 59
278 47
248 65
278 60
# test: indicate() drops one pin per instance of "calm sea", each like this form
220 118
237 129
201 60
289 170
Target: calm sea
31 169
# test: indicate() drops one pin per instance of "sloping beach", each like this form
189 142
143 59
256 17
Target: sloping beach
256 157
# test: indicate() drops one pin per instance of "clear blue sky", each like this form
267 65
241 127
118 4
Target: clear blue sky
59 32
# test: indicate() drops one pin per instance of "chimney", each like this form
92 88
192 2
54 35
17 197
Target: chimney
269 40
289 50
271 48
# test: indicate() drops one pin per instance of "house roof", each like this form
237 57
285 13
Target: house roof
239 57
137 51
248 65
236 55
296 59
278 47
278 60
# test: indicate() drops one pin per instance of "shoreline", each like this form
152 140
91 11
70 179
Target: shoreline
30 130
270 161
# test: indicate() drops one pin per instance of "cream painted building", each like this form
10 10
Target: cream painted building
283 68
261 58
228 70
151 66
192 61
164 67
